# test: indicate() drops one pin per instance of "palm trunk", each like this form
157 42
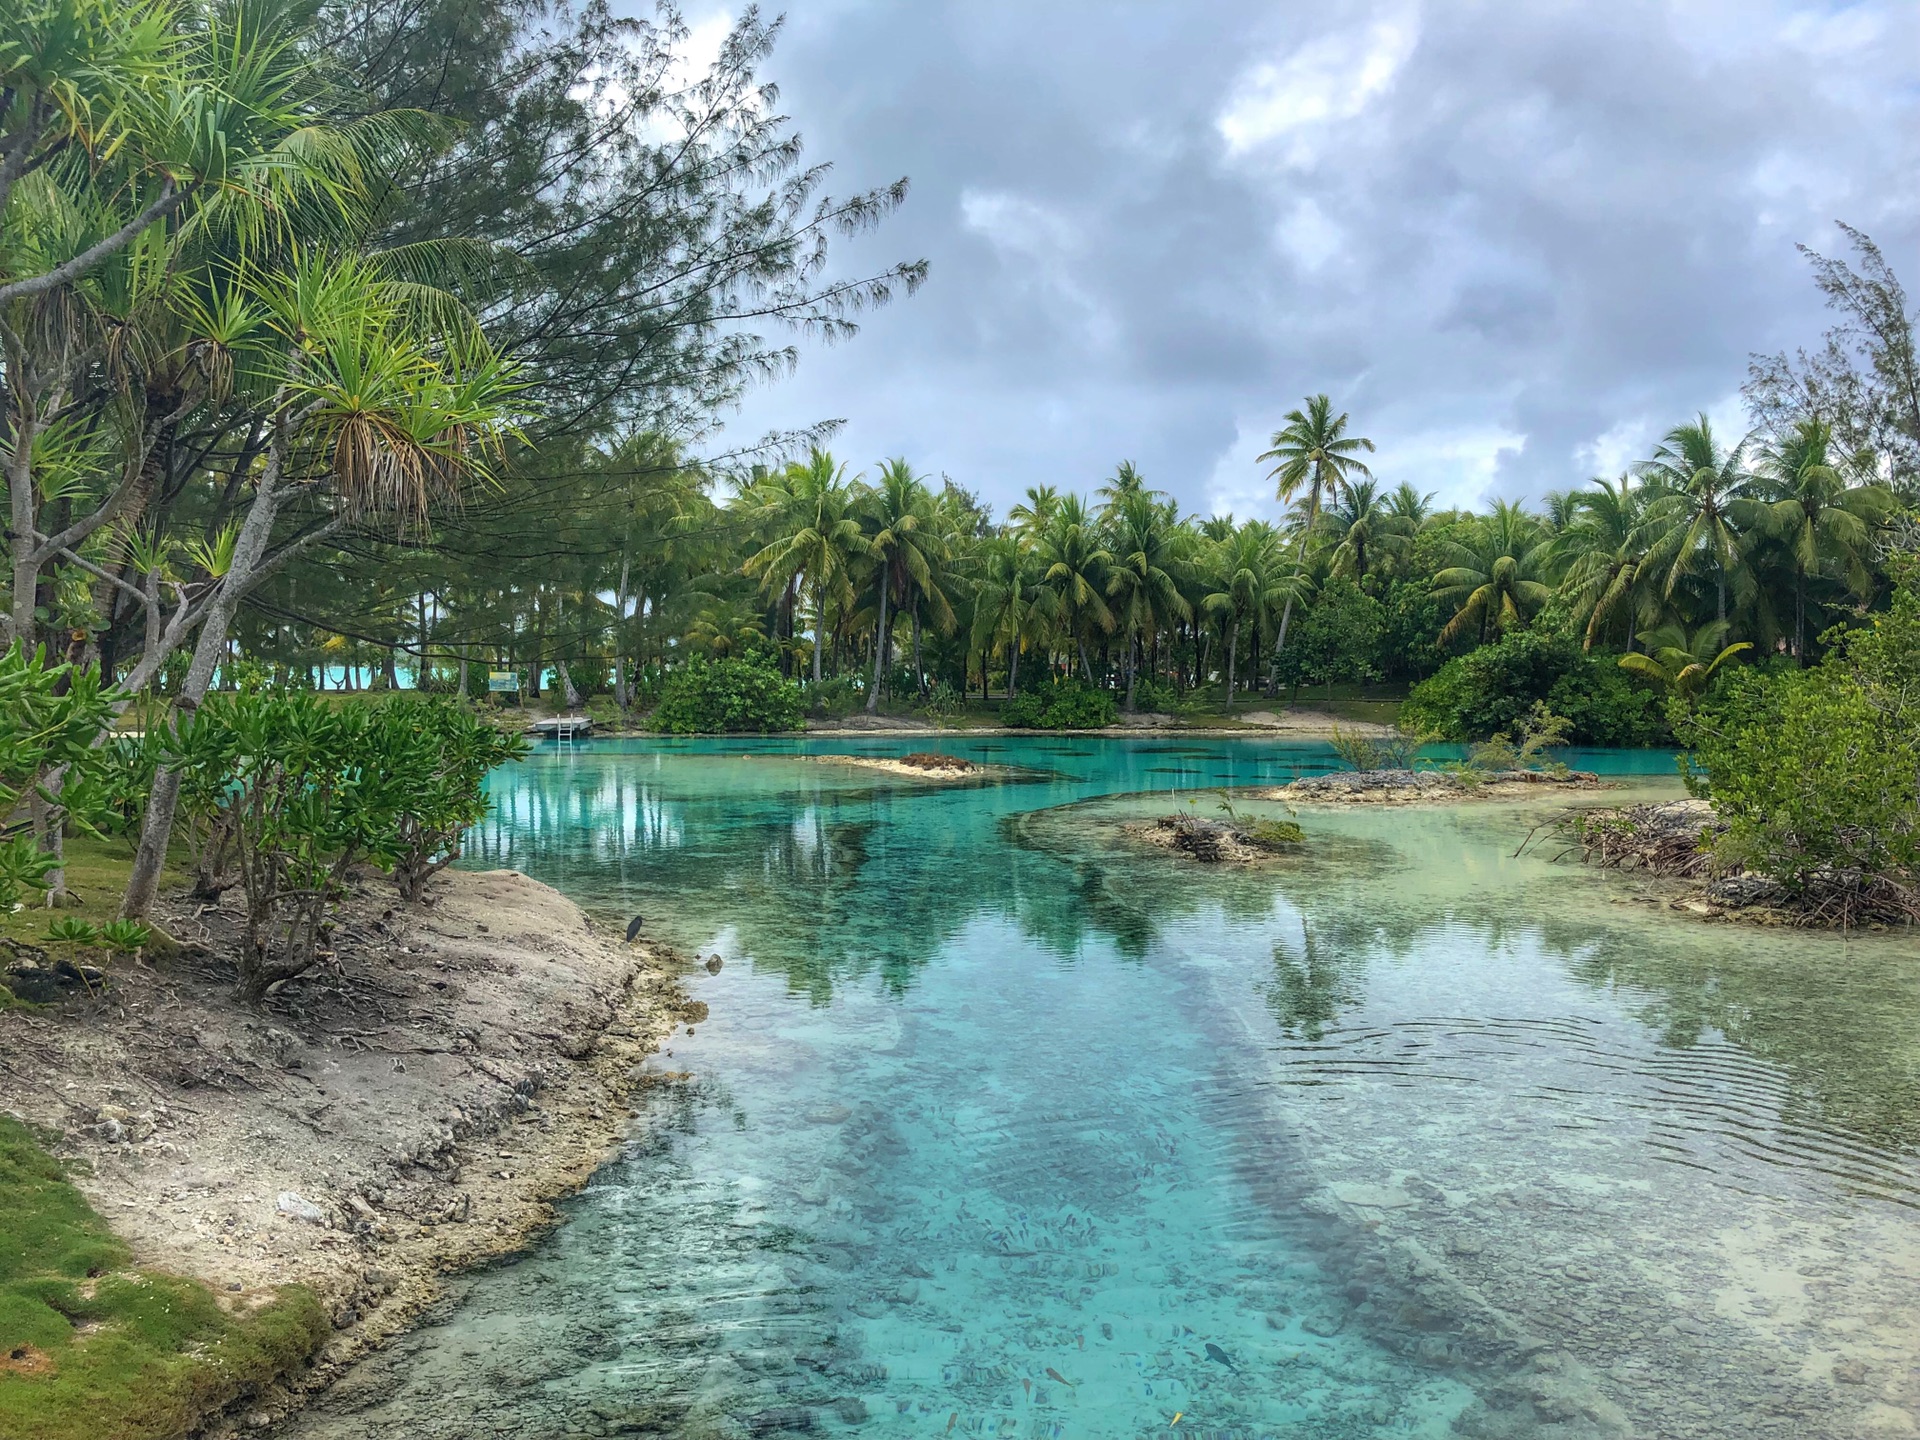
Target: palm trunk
919 670
819 626
1013 667
879 653
1085 668
1233 654
1799 615
621 696
1133 666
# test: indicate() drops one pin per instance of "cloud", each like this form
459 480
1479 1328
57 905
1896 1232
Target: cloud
1516 242
1331 78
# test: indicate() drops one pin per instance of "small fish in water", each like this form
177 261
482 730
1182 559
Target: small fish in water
1216 1354
952 1420
1176 1418
1053 1374
633 929
1026 1385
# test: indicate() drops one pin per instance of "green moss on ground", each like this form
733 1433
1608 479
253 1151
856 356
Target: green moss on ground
90 1348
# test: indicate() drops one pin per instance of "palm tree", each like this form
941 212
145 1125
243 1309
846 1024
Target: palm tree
1008 601
1363 529
1143 574
905 546
1245 572
1604 549
1073 567
1494 577
1036 510
817 535
1821 519
1697 520
1681 662
1410 505
1312 452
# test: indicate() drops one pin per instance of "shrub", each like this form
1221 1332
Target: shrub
50 716
1368 752
834 696
284 793
1339 637
727 697
1540 731
1065 704
1818 772
436 757
1493 689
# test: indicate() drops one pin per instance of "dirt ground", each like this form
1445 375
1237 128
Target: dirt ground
411 1109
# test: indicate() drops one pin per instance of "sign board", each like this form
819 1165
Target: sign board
503 682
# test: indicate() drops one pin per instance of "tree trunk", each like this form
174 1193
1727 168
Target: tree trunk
919 670
1132 665
1085 668
1013 668
1233 656
568 688
1800 615
463 677
249 548
819 627
879 653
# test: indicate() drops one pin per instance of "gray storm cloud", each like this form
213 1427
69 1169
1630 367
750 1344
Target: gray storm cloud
1516 241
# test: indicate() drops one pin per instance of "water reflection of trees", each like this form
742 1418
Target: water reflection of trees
827 882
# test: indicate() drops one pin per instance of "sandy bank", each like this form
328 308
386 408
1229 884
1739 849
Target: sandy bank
936 769
412 1111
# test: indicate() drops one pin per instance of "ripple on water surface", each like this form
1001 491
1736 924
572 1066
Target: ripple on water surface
1011 1130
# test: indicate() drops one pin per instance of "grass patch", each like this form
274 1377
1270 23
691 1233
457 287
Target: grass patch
91 1348
96 876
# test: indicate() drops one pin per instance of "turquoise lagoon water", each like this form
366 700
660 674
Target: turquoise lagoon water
1004 1124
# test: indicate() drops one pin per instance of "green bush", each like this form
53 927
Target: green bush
1338 638
1493 689
1818 772
710 697
1065 704
50 715
282 793
834 696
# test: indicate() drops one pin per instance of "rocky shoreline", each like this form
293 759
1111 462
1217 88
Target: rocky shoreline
411 1110
1410 787
1674 841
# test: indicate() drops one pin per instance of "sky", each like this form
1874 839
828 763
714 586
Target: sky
1517 242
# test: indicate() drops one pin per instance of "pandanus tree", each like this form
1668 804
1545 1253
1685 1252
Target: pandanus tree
1825 520
379 401
1313 456
153 156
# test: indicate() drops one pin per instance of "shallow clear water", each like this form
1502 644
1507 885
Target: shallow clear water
1002 1124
